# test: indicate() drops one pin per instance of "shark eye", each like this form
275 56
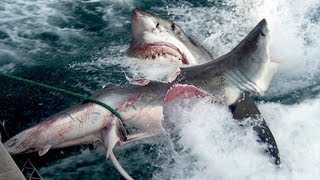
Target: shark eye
173 27
13 142
262 34
157 25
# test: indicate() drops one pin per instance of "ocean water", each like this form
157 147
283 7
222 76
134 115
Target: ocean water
81 46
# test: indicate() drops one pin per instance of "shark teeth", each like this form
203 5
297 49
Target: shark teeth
159 50
163 57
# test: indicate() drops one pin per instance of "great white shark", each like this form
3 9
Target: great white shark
158 39
230 79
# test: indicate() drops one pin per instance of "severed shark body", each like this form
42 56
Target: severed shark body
229 80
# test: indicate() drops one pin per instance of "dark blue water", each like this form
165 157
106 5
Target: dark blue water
81 46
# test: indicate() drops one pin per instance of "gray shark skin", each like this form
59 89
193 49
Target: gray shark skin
156 38
142 106
245 68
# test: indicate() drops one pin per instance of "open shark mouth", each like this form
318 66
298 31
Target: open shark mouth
158 50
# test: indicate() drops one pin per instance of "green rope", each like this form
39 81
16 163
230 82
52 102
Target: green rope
62 91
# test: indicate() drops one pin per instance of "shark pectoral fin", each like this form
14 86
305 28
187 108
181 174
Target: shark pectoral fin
112 135
110 140
43 150
245 108
118 166
180 91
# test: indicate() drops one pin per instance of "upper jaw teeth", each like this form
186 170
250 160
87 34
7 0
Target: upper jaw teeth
164 57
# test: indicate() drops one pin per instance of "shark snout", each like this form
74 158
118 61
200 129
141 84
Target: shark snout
136 14
17 144
263 22
263 27
142 22
12 142
141 18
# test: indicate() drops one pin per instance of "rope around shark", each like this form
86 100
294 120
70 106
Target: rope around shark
84 98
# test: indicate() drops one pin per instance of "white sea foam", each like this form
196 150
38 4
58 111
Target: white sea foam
216 147
219 149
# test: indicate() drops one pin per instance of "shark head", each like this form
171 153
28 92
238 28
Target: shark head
246 68
156 38
254 69
19 143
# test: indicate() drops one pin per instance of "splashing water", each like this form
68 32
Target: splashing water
86 42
